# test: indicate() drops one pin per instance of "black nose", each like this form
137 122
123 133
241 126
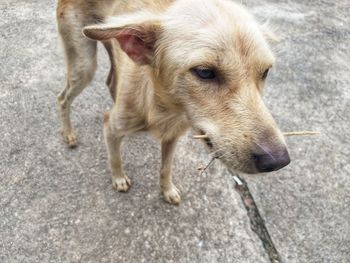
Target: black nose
271 161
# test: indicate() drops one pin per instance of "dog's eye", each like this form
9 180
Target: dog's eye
264 76
204 73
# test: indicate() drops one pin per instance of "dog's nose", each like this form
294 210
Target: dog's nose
271 160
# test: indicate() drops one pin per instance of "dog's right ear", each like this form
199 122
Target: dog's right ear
136 34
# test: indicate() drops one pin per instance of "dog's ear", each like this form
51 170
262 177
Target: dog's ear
136 35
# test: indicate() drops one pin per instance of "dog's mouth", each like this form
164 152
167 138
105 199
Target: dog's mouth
208 143
206 139
226 156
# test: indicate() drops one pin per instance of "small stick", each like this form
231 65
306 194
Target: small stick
200 136
295 133
301 133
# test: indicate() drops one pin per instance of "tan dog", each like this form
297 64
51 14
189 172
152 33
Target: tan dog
175 65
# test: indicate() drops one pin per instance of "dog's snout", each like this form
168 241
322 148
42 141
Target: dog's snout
272 160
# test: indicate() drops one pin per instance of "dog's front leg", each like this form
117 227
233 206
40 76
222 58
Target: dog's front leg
170 192
113 140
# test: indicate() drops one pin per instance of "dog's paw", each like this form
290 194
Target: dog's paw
121 184
69 138
172 195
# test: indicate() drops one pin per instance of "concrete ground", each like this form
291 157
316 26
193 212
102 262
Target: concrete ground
57 205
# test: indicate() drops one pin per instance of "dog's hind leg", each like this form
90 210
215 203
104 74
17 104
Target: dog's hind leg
81 65
112 78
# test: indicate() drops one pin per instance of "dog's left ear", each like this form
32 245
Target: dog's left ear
136 35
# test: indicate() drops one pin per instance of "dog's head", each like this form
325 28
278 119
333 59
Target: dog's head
211 60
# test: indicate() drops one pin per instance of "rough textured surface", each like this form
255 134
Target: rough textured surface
57 205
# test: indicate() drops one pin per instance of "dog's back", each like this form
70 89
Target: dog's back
97 10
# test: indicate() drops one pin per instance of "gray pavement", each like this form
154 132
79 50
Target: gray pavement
57 205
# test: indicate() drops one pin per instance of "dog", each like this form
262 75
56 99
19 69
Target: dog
175 65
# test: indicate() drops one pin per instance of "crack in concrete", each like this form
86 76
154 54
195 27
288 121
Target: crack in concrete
257 223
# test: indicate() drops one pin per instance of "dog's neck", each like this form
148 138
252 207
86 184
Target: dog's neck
166 117
161 87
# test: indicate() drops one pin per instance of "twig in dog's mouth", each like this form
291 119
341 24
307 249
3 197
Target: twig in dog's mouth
301 133
204 136
293 133
200 136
